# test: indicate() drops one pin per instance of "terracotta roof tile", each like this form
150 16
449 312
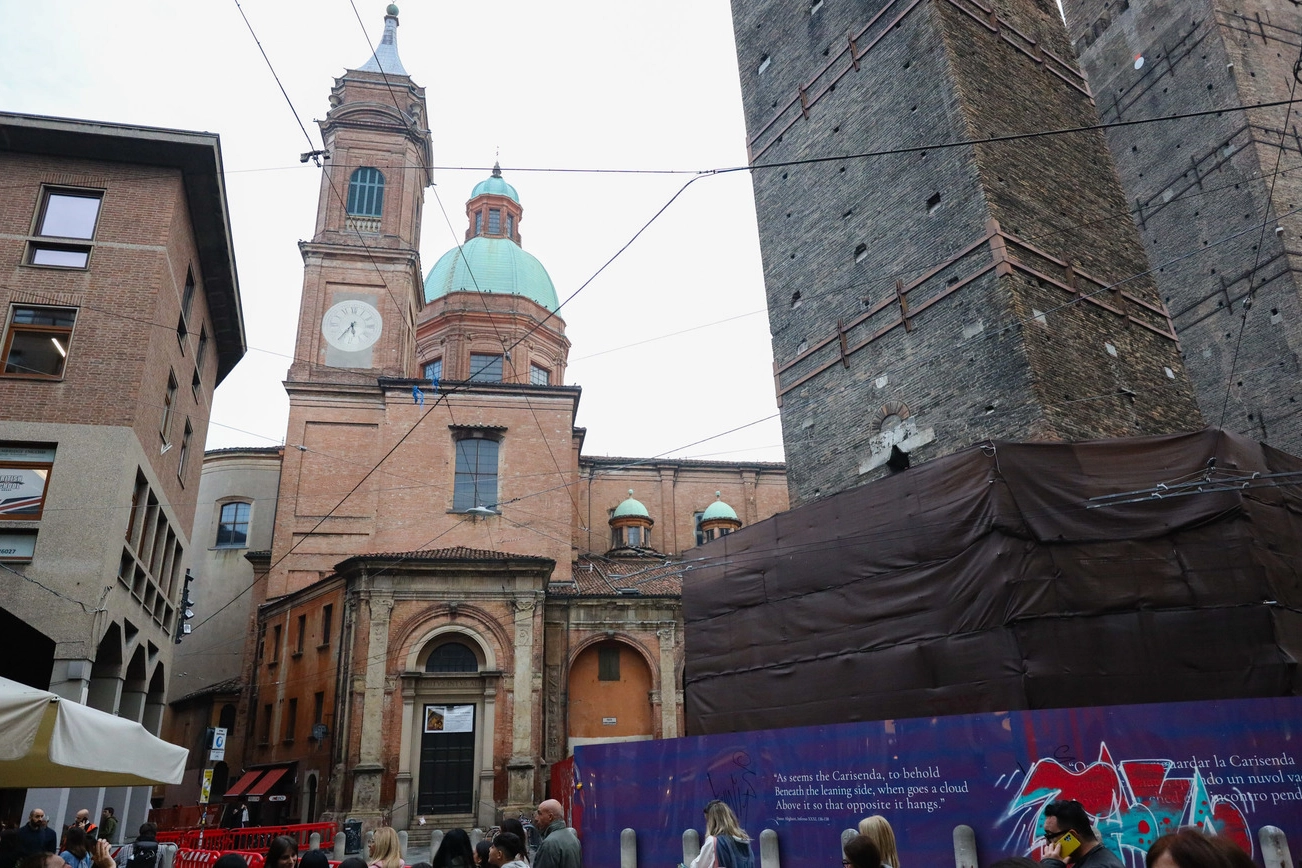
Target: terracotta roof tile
596 576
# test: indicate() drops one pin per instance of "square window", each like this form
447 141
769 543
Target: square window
38 341
485 368
65 214
233 528
24 477
539 376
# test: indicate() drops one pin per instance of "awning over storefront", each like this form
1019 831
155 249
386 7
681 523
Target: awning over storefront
267 781
243 784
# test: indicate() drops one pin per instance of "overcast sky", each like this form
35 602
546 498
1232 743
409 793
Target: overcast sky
578 84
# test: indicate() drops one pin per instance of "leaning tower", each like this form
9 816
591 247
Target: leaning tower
1215 193
929 288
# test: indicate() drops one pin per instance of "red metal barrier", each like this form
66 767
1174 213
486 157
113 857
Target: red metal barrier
195 858
259 837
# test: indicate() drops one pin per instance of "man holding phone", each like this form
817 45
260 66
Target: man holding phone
1069 839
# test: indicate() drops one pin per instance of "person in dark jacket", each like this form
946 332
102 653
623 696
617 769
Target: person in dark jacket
36 836
1068 816
560 847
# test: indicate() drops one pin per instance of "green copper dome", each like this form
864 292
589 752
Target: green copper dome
719 509
631 507
495 185
488 264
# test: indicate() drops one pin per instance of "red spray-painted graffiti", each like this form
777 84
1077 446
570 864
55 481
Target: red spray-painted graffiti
1133 801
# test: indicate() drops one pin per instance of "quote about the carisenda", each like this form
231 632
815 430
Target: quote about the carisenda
804 796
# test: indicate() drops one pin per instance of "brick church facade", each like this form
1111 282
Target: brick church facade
451 595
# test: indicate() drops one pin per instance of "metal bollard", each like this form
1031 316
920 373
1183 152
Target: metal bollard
341 842
691 846
965 853
314 841
768 849
402 842
628 849
435 841
1274 847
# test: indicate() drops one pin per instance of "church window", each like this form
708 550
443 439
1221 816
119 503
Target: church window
452 657
701 537
494 221
539 376
476 474
366 192
634 536
608 662
510 225
479 222
485 368
233 527
434 370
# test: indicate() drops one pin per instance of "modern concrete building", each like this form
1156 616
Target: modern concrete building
121 314
1215 191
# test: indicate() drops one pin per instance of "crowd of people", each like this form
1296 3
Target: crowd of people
1070 841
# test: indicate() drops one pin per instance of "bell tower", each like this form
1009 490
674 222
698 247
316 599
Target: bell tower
362 275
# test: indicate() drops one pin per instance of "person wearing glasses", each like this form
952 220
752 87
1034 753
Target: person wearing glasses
1069 839
726 844
861 852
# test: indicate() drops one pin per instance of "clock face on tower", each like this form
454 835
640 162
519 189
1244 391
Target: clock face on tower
351 326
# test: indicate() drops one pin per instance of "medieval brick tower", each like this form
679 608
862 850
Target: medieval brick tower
936 293
1214 196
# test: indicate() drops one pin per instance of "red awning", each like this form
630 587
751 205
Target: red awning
268 781
243 784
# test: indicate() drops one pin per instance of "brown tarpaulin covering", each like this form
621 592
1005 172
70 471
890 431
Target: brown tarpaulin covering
984 581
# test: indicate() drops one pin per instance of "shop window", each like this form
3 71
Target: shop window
476 474
485 368
24 477
38 341
65 227
233 527
366 192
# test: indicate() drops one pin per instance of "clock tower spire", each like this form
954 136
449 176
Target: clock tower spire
362 276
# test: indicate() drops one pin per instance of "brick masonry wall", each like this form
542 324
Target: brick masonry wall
1200 188
838 235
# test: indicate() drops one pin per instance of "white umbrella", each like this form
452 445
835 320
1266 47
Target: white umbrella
48 741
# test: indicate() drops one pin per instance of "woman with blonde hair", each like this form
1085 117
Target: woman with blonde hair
386 851
877 830
726 844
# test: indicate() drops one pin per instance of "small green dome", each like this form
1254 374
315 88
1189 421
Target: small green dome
496 185
719 509
393 9
631 507
488 264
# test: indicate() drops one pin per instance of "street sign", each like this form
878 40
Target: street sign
216 756
205 791
219 738
276 798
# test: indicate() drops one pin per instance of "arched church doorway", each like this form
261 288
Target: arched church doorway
447 741
610 695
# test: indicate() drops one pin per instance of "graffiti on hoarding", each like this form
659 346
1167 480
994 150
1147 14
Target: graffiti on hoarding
1134 801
